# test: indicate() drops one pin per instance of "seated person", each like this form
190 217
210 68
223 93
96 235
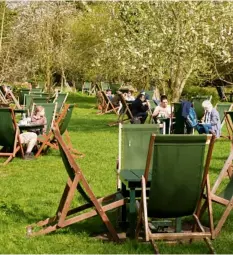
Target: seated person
30 139
212 123
139 107
39 118
163 110
109 94
129 97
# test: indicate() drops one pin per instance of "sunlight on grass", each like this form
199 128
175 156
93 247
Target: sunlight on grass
31 190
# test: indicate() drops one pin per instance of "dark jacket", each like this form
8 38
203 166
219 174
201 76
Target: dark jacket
137 106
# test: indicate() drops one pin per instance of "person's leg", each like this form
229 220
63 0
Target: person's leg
143 116
30 139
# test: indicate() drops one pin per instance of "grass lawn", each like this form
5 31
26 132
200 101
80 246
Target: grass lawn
30 191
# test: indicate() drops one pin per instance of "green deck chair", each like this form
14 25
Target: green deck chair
225 197
179 178
77 182
197 103
86 87
222 108
9 135
60 99
50 111
21 95
133 145
104 85
62 123
179 126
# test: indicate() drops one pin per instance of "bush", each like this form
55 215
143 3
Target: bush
192 91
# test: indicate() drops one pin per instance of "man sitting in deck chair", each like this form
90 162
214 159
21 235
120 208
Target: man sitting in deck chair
178 178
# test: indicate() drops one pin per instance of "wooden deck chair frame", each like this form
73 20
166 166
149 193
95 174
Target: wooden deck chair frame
229 124
126 111
109 106
49 140
3 99
62 219
219 199
17 144
18 106
142 206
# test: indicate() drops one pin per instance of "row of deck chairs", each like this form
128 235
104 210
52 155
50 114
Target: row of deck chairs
92 88
174 192
56 112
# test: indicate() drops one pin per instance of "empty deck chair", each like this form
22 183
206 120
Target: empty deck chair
197 102
225 196
65 215
179 176
9 135
104 85
133 145
62 123
222 108
87 87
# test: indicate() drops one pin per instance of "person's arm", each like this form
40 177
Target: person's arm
214 118
156 111
37 120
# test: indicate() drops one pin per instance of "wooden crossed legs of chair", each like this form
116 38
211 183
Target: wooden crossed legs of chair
149 236
225 198
62 218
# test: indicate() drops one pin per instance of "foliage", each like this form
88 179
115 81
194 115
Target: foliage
192 91
154 43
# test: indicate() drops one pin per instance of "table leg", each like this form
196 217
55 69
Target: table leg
123 208
132 214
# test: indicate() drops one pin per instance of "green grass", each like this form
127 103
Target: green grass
30 191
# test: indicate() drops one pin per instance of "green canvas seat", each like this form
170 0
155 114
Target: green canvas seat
36 90
229 123
179 175
21 95
104 85
222 108
87 87
40 100
62 123
197 103
9 135
66 215
133 146
179 125
225 196
60 99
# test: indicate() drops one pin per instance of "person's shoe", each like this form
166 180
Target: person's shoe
29 156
